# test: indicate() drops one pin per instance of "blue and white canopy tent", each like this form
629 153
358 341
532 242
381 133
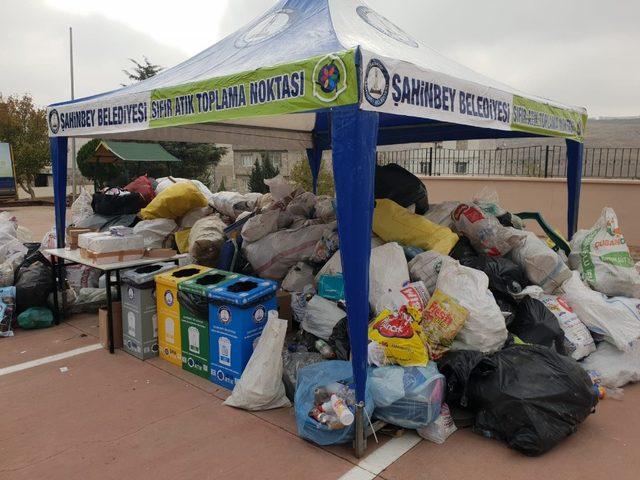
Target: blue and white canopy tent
320 75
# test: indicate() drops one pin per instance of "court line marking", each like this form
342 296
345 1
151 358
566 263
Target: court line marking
370 467
51 358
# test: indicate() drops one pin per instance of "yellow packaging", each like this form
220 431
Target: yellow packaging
174 202
182 240
394 223
168 306
442 319
400 336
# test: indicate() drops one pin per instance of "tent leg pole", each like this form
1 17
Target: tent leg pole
354 136
58 150
314 156
360 442
575 154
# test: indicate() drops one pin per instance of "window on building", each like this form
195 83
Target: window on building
247 160
461 167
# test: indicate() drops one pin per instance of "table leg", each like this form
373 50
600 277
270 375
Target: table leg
118 292
109 312
54 277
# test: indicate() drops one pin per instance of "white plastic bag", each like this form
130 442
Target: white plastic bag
166 182
612 367
484 231
302 205
81 209
415 294
320 316
279 188
485 329
192 216
617 318
578 341
155 231
441 429
387 270
602 256
543 266
426 266
260 387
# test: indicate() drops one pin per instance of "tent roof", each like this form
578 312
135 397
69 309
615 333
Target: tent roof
305 36
135 152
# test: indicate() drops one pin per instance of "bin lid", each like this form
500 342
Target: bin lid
201 284
174 277
145 273
243 290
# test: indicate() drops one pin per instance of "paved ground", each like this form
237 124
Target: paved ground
95 415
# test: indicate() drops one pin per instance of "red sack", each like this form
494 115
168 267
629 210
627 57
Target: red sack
144 187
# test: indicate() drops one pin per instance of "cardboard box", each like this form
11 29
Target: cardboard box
111 257
117 325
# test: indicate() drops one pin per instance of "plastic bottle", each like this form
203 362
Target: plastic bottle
343 391
325 349
338 407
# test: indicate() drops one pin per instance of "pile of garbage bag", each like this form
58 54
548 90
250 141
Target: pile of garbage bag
469 311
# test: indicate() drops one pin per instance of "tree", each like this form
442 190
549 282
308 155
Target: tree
198 160
24 126
141 71
102 174
301 177
221 187
262 170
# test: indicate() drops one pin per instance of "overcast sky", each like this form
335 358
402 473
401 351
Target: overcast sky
581 52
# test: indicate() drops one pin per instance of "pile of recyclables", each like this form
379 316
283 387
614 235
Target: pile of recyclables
474 320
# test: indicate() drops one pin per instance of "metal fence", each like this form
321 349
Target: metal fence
535 161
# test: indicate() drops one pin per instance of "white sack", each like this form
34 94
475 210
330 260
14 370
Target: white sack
300 275
224 203
543 266
485 329
387 270
192 216
440 213
601 254
617 319
272 256
155 231
166 182
260 387
206 239
320 316
612 367
260 226
81 208
324 209
302 205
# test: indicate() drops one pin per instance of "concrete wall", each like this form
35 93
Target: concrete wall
549 197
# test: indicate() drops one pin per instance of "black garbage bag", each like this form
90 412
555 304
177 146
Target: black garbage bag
456 366
534 323
292 362
196 305
462 249
33 281
339 340
527 395
505 276
118 202
400 185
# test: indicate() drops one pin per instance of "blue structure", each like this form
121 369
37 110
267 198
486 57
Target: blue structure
320 75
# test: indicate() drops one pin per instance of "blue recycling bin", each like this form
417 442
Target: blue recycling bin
237 314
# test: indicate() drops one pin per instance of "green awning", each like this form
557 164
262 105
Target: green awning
132 152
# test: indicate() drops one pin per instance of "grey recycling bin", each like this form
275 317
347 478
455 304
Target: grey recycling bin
139 312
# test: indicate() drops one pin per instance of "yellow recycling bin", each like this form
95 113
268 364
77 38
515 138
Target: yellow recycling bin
169 339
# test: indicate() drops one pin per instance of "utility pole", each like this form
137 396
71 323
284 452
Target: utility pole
73 140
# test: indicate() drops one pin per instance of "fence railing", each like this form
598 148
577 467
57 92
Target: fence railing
535 161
